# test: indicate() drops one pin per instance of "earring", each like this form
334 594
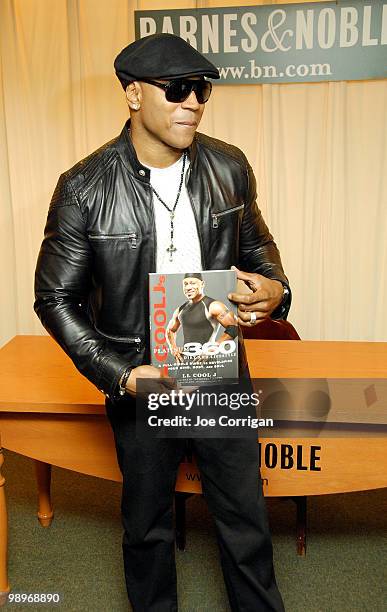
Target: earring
136 106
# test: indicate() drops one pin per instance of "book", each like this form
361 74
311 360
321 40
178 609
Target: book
194 326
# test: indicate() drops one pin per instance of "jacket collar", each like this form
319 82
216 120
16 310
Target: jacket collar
129 157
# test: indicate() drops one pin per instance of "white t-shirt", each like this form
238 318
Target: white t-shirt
187 256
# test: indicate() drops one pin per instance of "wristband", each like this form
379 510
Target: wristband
231 330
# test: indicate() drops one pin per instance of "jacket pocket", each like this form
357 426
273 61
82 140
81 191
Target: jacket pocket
216 215
130 237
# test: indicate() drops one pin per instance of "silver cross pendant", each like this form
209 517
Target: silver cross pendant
171 249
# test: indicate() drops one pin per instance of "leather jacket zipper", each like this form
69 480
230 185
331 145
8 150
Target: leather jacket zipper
154 233
196 219
132 237
136 340
215 216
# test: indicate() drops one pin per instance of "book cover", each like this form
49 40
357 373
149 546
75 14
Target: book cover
193 326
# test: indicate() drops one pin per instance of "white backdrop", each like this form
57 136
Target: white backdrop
318 150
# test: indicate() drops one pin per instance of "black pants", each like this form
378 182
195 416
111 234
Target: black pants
232 488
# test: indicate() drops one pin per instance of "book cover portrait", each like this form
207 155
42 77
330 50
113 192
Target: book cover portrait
193 324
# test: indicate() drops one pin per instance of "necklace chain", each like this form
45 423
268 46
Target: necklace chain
171 249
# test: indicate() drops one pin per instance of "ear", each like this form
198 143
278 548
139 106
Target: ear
133 96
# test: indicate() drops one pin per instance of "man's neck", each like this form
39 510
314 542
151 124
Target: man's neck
151 152
197 298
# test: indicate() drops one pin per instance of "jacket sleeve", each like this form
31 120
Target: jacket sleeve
62 284
258 252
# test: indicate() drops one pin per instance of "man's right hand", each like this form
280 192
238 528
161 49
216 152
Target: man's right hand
161 384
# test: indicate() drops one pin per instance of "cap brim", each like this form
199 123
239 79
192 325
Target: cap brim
168 77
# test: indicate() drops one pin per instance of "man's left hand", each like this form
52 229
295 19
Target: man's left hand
267 295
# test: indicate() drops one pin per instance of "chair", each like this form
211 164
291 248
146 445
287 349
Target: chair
269 329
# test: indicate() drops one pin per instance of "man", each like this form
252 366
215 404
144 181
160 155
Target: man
162 198
200 318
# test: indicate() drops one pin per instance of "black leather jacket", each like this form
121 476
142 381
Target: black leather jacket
91 281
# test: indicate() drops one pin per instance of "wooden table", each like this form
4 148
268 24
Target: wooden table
50 413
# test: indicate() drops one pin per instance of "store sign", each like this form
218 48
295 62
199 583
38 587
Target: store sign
283 43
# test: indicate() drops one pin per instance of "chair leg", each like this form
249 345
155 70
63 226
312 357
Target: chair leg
43 479
180 499
4 586
301 503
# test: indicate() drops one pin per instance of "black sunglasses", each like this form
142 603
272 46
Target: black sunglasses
178 90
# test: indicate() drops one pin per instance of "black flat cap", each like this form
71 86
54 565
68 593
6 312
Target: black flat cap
161 56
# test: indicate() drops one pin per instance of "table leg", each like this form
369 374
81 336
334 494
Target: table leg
300 502
4 586
180 499
180 520
43 478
